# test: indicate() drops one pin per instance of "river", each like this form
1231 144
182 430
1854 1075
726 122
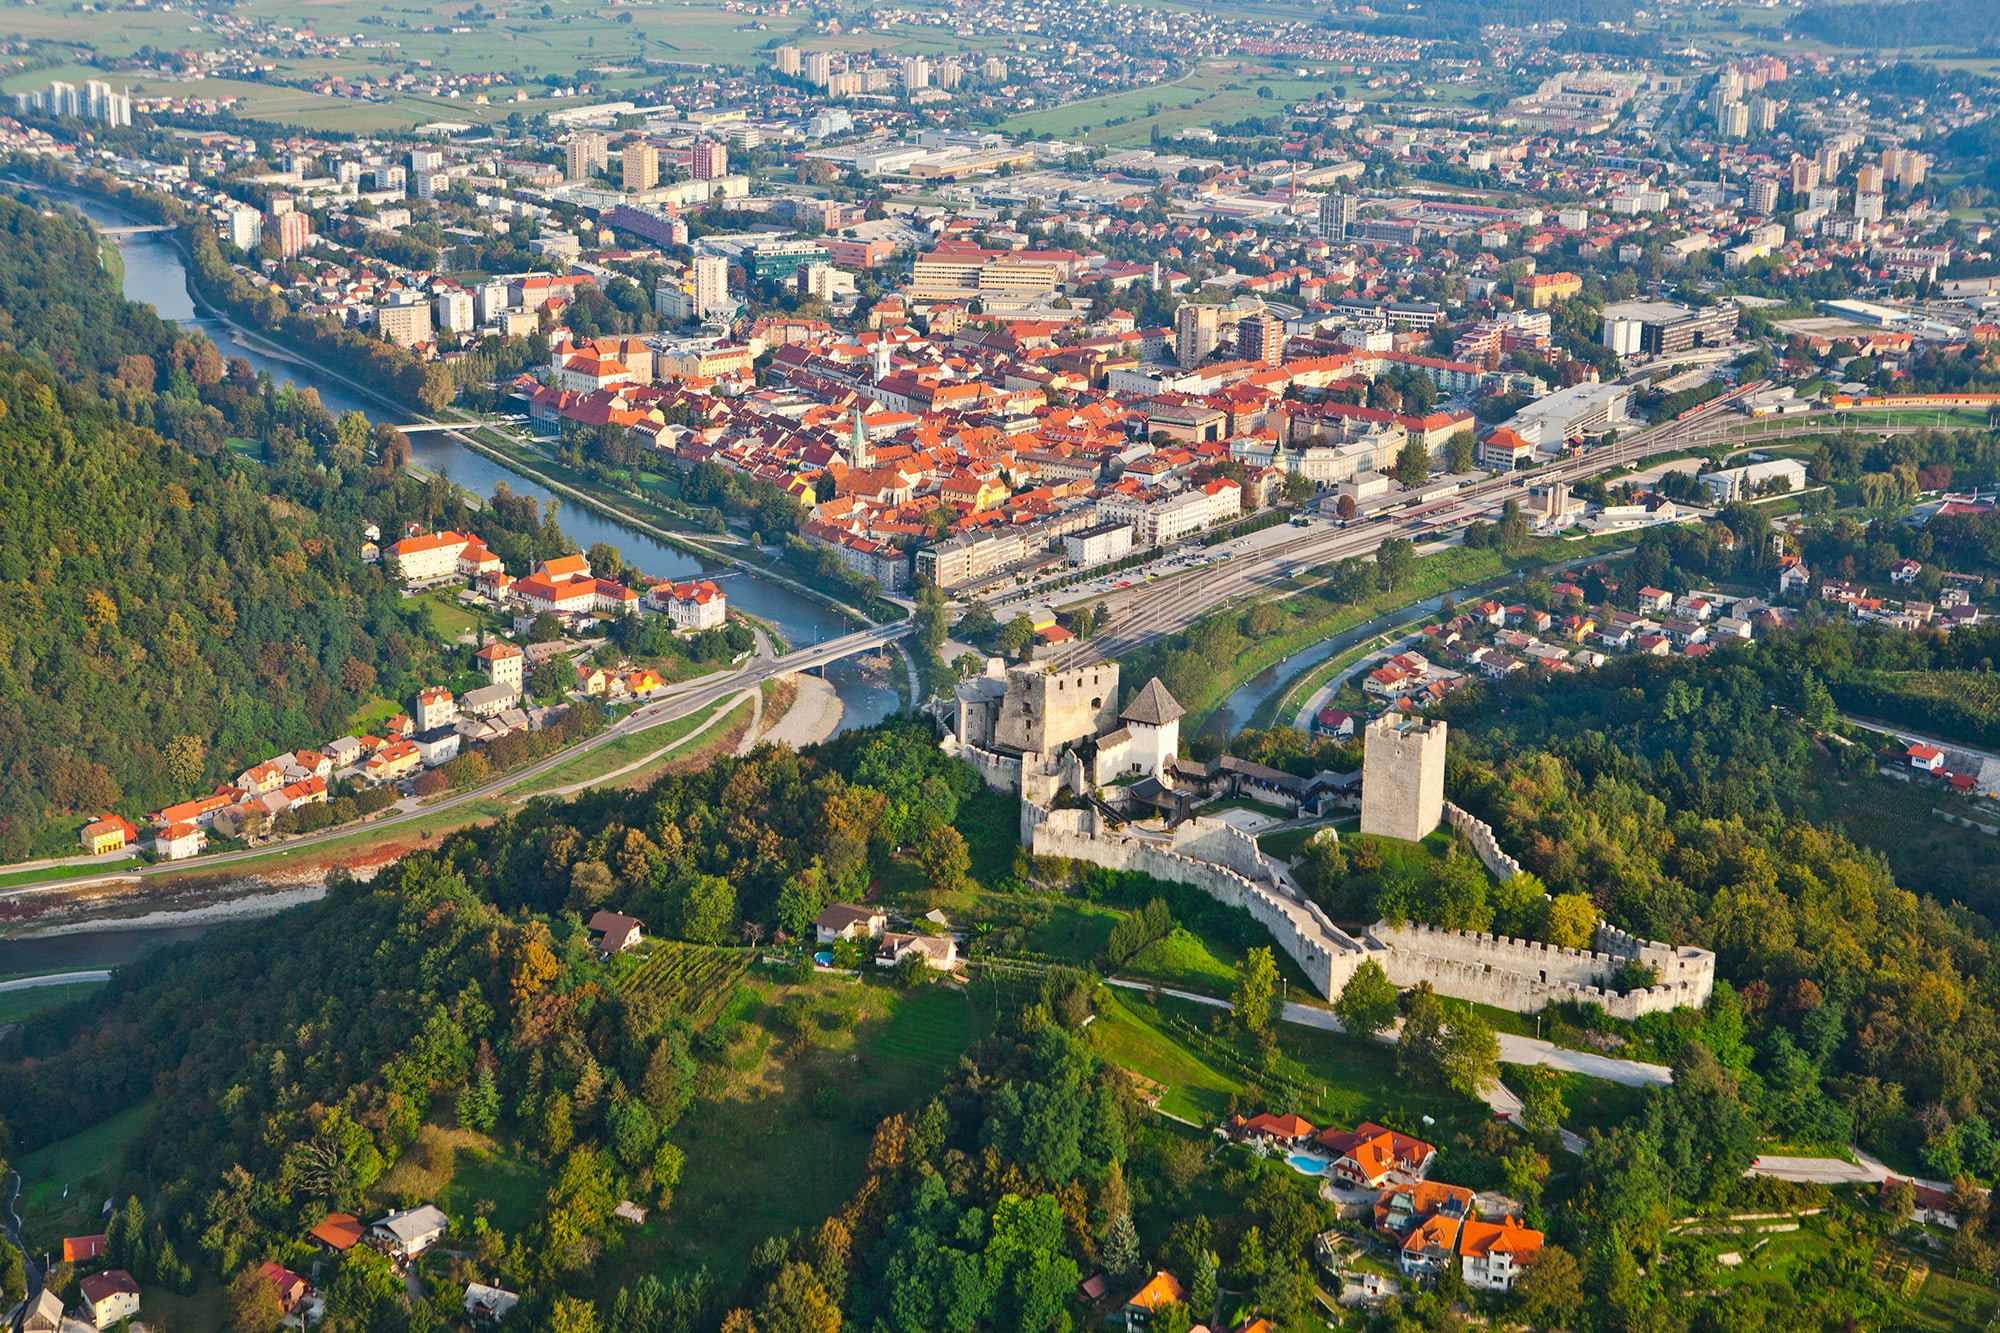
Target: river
155 275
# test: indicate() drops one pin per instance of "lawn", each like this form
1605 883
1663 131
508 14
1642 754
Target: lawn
495 1183
1593 1103
371 715
780 1137
449 617
1357 1079
16 1005
614 755
63 1184
1183 961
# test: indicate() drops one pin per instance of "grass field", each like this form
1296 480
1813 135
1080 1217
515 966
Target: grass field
17 1005
63 1185
1182 960
1216 93
784 1140
611 757
1359 1077
449 617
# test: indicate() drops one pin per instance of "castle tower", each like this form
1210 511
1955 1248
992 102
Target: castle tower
1154 720
1402 777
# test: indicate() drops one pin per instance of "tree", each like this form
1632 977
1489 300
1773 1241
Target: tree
1898 1199
1367 1003
545 628
707 910
1120 1251
1471 1055
254 1306
605 561
1016 637
1256 997
1413 464
1460 451
1552 1289
572 1315
796 1302
1346 507
187 754
1298 488
478 1106
912 970
1542 1108
1572 921
1394 559
943 858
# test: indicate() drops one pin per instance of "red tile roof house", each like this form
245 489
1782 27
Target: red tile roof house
1926 758
1288 1130
1371 1156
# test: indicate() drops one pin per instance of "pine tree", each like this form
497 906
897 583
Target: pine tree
478 1105
1120 1252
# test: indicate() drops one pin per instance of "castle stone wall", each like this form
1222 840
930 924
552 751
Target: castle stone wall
1484 845
1528 976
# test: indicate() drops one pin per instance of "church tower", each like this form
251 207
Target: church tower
857 443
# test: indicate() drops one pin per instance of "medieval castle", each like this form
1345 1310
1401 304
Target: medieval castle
1106 786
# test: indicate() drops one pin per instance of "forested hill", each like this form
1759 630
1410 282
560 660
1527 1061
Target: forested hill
170 611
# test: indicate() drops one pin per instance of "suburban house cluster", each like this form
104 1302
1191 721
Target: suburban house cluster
1383 1175
846 922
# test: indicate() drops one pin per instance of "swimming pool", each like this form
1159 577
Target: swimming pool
824 958
1308 1164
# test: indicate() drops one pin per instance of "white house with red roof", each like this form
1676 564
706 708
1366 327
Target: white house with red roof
1926 758
692 606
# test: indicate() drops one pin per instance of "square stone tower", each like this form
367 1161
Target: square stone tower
1402 777
1045 709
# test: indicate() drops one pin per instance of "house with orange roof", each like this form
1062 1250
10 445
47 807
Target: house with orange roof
340 1232
177 842
1429 1247
1492 1254
1161 1289
1370 1156
1281 1129
564 567
200 811
82 1249
1401 1207
391 762
112 833
426 559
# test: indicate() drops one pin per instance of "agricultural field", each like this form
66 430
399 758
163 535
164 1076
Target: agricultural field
1217 93
690 979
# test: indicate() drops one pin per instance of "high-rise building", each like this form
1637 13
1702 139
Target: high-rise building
1336 215
1261 337
786 60
426 159
916 73
1763 115
1733 121
1868 178
454 311
708 159
711 284
102 102
1805 174
585 155
1194 334
1763 196
405 325
294 230
641 167
672 301
245 229
819 68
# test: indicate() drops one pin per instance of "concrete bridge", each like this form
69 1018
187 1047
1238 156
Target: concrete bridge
847 645
120 233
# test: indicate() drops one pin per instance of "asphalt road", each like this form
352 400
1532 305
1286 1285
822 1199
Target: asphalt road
753 673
